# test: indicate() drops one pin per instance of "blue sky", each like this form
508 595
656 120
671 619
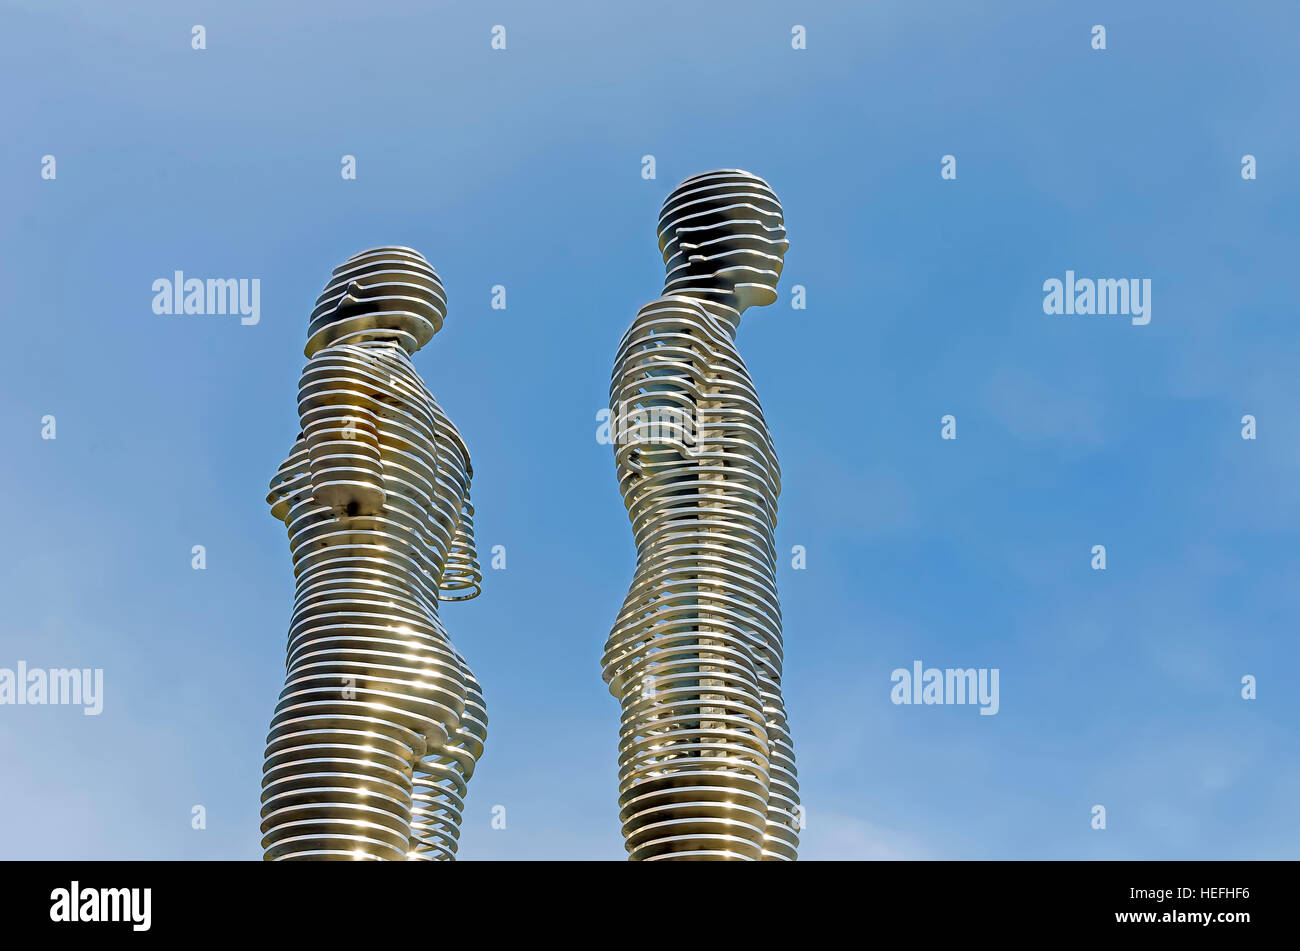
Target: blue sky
522 168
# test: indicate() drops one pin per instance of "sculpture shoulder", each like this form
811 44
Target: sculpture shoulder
676 325
664 316
342 362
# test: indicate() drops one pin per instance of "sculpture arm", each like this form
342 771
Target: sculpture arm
336 407
655 389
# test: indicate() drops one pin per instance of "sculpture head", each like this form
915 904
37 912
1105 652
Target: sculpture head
388 293
723 238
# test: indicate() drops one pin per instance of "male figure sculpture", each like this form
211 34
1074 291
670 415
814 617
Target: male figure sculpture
380 721
706 763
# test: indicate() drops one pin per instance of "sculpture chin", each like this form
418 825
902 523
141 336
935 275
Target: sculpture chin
755 295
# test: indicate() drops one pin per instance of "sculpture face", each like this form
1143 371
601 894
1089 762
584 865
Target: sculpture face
723 238
381 721
384 293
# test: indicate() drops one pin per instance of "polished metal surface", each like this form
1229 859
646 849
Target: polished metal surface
380 722
706 762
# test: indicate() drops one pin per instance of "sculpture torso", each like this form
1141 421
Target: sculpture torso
706 763
370 664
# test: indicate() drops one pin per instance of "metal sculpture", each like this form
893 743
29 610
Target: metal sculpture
706 762
380 722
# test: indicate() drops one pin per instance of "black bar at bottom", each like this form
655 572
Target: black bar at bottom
683 904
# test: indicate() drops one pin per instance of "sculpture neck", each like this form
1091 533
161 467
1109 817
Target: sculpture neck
383 343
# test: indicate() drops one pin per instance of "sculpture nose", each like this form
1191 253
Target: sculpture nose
351 295
293 466
299 444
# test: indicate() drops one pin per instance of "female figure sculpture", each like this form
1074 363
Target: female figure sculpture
380 722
